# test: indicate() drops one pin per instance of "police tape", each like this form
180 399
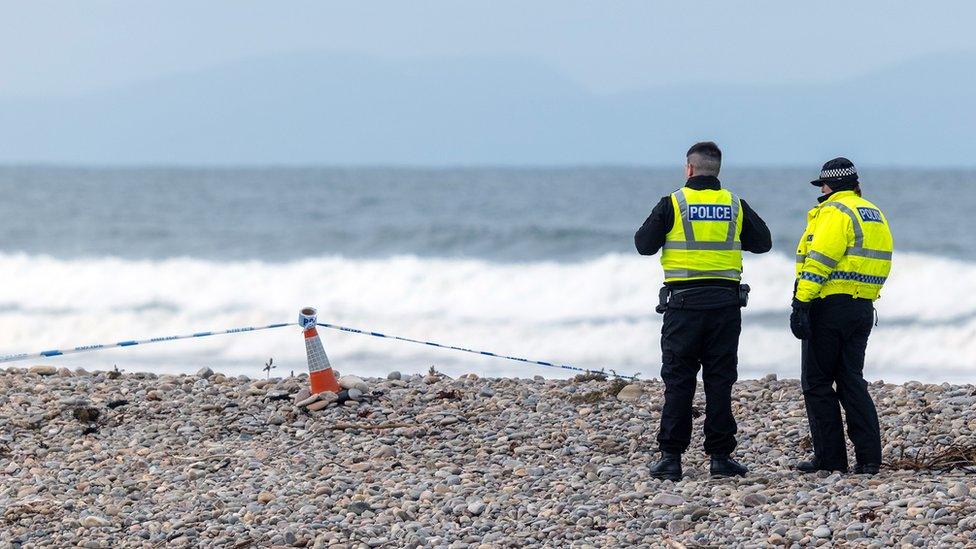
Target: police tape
134 342
473 351
245 329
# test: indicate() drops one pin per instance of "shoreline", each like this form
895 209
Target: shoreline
428 460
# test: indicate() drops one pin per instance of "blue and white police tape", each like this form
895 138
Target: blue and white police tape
134 342
473 351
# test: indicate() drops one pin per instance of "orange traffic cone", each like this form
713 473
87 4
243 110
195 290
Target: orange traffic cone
320 373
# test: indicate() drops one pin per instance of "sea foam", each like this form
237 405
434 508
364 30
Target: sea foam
596 313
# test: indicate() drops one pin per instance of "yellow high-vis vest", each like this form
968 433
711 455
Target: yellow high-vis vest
704 240
845 249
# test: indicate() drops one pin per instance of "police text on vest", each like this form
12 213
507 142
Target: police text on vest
710 212
870 214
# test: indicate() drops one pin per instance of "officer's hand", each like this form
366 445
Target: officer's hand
800 320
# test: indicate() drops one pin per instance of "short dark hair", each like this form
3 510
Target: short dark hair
705 157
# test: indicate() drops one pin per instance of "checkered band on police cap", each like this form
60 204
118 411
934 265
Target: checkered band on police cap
837 170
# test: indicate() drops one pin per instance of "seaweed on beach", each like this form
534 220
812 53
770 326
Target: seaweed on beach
592 397
589 376
451 394
86 414
268 366
954 456
615 387
806 443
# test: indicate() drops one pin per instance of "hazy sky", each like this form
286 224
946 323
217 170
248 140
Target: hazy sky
55 48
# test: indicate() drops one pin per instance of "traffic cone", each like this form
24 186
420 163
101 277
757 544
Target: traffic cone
320 374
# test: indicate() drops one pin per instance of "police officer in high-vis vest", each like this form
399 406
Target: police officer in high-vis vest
703 229
842 261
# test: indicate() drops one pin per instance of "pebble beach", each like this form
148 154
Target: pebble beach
110 459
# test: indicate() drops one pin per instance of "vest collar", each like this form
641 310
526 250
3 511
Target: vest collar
702 182
835 195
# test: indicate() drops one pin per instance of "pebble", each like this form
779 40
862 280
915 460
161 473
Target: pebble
394 375
42 370
94 521
668 499
317 405
754 500
679 526
301 395
359 507
353 382
821 532
205 373
431 461
630 392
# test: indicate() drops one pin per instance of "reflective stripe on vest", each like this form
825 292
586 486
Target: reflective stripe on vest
857 252
817 256
689 273
871 254
697 245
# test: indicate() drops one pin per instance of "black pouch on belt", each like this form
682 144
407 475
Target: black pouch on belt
744 295
662 300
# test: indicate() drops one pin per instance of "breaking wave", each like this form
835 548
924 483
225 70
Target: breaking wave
594 313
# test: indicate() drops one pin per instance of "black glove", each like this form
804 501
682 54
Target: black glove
800 320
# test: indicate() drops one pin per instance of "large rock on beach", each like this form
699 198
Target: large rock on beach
43 370
630 392
353 382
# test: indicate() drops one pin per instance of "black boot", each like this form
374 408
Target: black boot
724 466
807 467
867 469
668 467
813 466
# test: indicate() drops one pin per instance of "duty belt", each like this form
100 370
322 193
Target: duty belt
666 294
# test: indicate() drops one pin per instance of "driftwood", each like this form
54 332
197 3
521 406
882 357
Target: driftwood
954 456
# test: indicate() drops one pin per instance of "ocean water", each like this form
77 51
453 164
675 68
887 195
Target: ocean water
536 263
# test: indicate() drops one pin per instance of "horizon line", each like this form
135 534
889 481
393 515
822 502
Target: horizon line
501 166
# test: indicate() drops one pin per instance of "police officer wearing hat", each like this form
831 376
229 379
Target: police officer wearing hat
843 260
703 229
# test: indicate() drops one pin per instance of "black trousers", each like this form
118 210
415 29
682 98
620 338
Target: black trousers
693 338
835 356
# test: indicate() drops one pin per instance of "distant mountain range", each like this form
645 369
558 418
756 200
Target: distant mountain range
341 109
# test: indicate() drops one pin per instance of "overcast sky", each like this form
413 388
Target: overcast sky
62 48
